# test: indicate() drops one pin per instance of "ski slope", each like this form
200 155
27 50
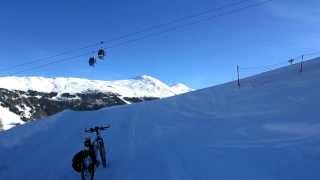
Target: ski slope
269 129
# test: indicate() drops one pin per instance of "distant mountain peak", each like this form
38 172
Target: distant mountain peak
177 88
180 88
145 77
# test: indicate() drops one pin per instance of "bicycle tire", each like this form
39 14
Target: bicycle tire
88 167
102 152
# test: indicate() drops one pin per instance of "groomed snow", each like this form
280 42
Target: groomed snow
269 129
141 86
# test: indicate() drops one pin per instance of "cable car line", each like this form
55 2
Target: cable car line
174 28
72 58
155 34
34 61
48 57
177 20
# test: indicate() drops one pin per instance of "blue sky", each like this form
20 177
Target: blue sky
200 55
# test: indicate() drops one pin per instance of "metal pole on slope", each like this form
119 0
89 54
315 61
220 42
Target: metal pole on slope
302 58
238 76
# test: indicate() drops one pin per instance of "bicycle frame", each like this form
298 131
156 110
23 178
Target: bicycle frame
94 146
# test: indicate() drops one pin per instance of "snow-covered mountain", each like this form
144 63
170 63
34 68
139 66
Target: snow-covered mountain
180 88
24 99
267 129
142 86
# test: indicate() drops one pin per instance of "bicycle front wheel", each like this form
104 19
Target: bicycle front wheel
102 153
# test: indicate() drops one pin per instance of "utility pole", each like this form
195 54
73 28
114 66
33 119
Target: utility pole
238 76
302 58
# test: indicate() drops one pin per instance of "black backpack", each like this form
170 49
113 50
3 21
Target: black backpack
77 160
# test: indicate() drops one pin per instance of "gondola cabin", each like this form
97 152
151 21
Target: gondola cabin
92 61
101 54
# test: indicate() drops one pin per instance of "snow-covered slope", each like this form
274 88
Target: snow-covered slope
180 88
142 86
268 129
8 119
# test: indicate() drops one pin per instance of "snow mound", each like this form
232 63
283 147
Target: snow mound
267 129
8 119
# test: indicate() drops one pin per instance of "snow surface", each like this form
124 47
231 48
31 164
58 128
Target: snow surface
141 86
26 110
269 129
181 88
8 119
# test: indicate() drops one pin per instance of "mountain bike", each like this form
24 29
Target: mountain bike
86 160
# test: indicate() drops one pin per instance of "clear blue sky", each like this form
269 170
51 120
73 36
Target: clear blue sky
200 55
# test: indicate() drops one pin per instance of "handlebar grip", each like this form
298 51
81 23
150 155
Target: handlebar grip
89 130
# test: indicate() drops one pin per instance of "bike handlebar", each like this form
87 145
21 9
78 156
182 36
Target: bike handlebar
96 129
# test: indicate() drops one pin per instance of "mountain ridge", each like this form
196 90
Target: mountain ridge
136 87
24 99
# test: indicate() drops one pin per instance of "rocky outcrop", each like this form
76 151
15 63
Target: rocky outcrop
32 105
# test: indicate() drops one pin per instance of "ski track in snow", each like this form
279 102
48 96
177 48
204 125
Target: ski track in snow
267 129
